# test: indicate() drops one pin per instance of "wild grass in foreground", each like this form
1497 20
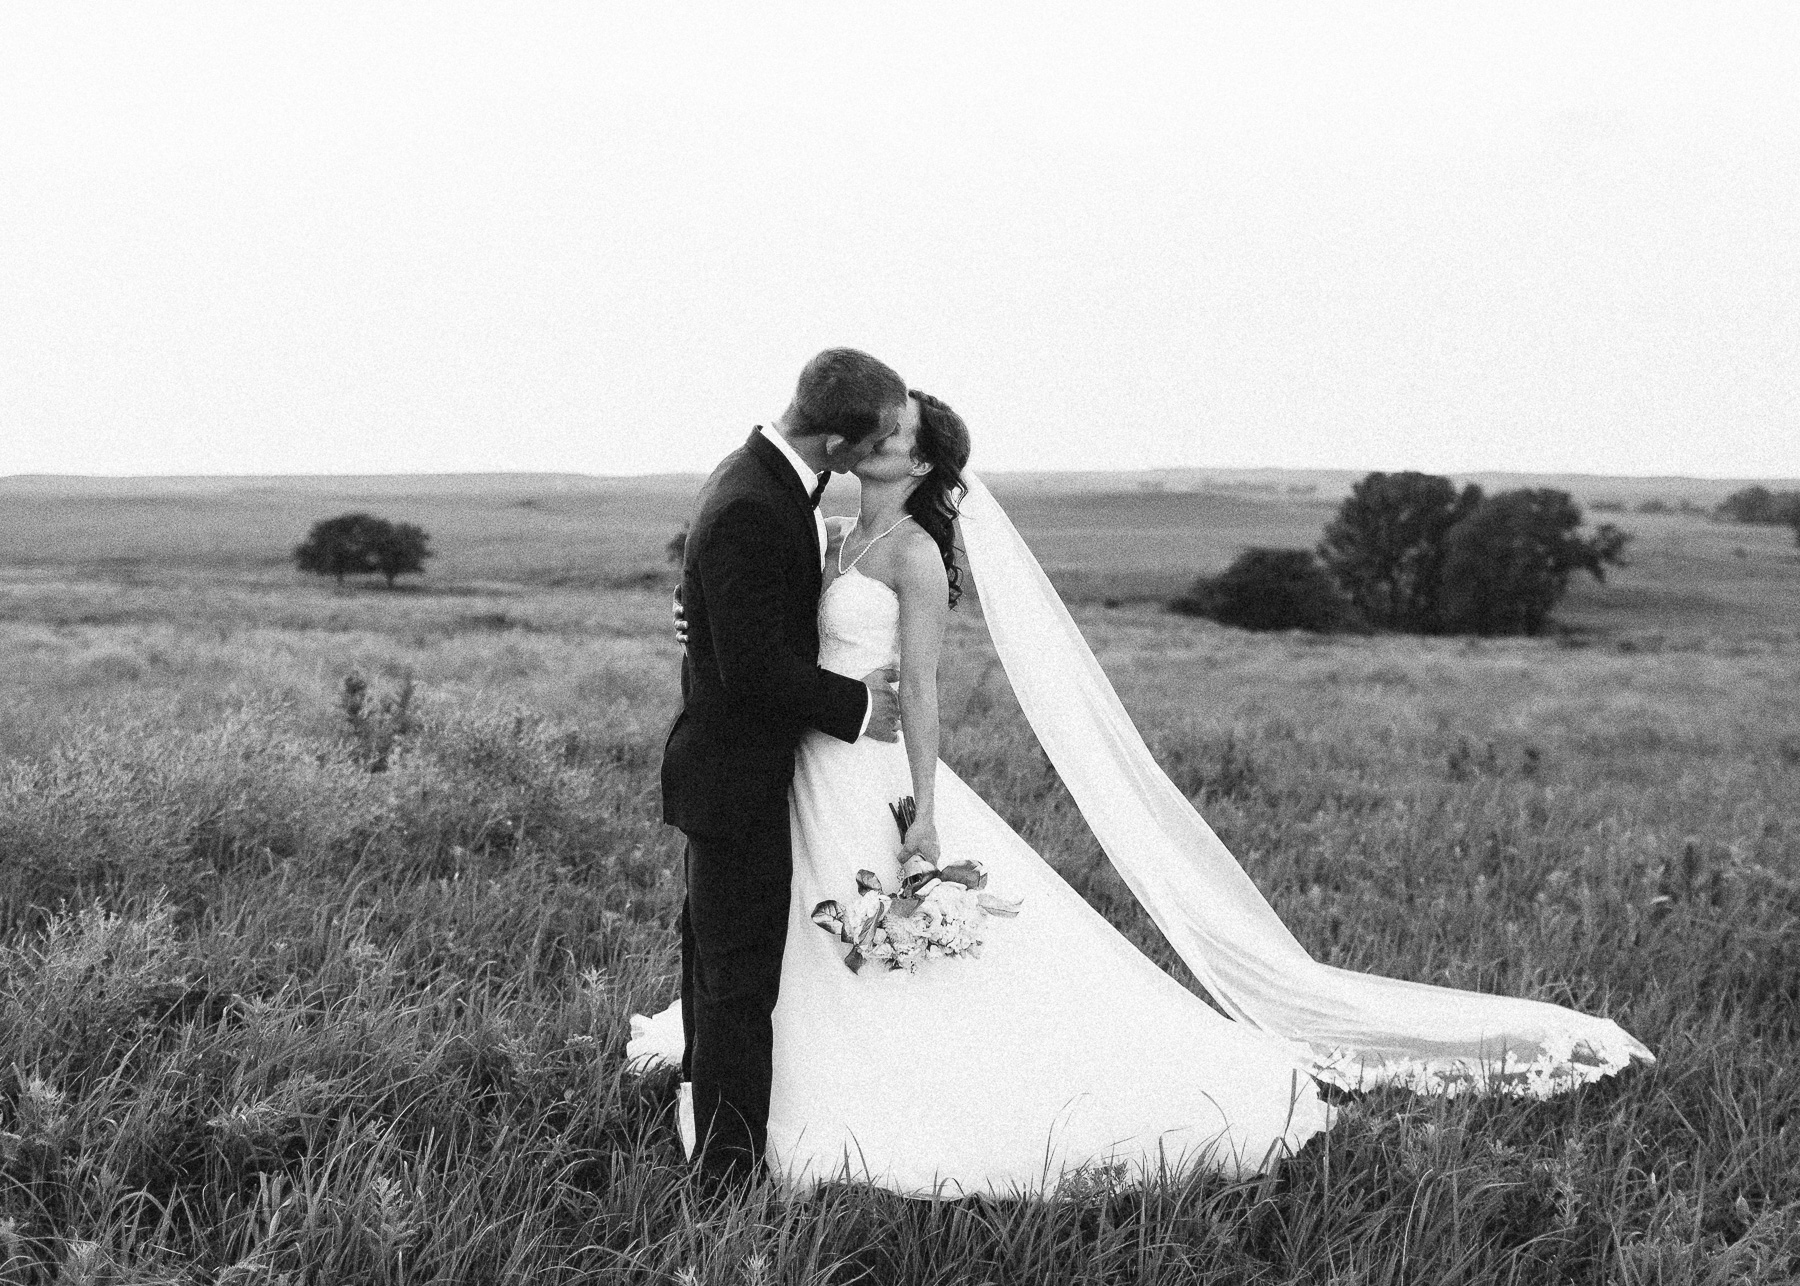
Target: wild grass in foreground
310 984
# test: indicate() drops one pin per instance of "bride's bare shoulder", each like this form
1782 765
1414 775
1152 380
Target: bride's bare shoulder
912 537
920 562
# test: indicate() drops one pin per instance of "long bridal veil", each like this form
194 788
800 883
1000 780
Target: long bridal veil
1361 1029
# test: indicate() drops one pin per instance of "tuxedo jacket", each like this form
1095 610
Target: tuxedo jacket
750 679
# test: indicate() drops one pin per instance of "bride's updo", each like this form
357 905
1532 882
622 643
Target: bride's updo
943 443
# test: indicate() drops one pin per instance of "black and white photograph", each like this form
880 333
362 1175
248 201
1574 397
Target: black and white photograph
899 645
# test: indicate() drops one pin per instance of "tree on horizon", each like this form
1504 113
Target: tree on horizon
356 544
1508 564
1385 547
400 549
1414 554
1760 506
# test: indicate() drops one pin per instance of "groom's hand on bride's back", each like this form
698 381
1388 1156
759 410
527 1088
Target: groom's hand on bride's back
884 702
884 705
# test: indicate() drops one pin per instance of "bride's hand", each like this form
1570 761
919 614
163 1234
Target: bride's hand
922 838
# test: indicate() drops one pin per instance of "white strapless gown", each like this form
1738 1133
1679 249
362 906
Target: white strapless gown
1061 1049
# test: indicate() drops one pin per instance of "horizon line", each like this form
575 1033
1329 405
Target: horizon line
1042 472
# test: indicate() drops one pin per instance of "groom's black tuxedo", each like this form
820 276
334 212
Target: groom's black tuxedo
750 681
751 686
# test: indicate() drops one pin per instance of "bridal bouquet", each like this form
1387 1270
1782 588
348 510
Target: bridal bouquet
935 912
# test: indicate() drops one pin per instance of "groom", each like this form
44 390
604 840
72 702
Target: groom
751 686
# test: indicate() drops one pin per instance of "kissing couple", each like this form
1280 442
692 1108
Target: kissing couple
1062 1047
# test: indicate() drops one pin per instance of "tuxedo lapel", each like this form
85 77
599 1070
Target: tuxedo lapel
779 469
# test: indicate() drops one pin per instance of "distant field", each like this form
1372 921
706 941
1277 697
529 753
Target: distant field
547 538
1139 542
1317 484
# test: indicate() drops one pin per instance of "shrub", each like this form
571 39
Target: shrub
376 725
1269 589
135 808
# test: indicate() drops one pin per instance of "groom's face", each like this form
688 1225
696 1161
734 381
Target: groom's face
842 455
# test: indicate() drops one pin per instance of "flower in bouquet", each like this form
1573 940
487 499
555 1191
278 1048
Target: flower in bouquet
936 912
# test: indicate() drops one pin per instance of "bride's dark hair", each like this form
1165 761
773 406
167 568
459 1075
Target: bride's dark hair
943 443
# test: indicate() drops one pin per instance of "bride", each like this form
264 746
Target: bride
1063 1047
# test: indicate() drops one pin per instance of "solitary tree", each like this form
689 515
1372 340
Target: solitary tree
354 544
399 549
338 547
1508 563
1385 547
1269 589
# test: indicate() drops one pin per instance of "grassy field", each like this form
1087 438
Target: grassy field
308 987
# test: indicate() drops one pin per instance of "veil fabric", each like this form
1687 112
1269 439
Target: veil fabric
1362 1030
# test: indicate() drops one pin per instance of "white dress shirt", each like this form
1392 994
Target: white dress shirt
810 479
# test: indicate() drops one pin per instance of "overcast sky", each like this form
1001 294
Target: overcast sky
603 238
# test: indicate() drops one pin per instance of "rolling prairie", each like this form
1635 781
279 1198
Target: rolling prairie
314 981
1141 538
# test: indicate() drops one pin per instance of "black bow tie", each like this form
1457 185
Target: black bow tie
819 491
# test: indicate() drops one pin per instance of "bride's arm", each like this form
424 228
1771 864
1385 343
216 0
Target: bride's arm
924 592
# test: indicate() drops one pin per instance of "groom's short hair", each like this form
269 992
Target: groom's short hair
845 392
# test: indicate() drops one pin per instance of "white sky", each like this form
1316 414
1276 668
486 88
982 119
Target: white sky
603 238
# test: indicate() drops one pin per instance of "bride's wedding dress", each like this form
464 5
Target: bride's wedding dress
1064 1047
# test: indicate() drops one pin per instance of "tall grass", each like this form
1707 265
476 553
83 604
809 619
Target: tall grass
309 982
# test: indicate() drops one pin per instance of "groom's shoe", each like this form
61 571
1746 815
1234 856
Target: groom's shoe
720 1187
723 1168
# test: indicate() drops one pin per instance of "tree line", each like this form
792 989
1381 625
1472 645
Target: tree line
1411 552
1763 507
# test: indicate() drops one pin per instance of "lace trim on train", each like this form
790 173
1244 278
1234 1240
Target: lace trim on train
1558 1067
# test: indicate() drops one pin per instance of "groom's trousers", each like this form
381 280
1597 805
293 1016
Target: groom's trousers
733 933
